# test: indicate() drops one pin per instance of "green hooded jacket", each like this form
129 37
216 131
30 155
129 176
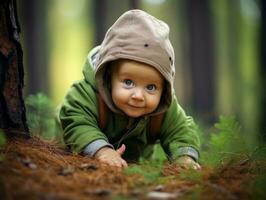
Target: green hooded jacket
79 113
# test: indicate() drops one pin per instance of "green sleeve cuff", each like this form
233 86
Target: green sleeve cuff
94 146
188 151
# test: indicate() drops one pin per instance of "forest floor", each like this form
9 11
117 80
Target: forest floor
34 169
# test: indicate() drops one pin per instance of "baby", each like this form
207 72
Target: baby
126 93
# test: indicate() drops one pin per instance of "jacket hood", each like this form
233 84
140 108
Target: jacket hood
137 36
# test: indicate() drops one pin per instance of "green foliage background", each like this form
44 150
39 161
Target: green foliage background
42 117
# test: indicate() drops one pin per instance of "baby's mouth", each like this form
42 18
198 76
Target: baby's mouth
135 106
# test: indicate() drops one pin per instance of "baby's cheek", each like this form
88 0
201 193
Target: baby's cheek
119 95
154 102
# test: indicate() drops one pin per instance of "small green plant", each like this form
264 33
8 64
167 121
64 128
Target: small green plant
226 142
2 142
41 116
259 186
150 171
259 153
191 175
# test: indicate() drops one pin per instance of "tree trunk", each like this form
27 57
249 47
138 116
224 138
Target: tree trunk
201 59
12 108
34 20
233 22
263 70
133 4
100 20
106 13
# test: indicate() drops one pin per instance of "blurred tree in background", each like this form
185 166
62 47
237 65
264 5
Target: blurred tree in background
201 59
34 15
219 46
99 9
262 72
12 107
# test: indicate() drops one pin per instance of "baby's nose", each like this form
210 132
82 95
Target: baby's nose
138 94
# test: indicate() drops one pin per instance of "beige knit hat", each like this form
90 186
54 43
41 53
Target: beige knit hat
138 36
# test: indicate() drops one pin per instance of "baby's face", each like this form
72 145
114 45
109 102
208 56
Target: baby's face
136 87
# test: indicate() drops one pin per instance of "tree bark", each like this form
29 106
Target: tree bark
12 108
201 59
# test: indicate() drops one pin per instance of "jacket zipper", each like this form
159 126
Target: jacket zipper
128 131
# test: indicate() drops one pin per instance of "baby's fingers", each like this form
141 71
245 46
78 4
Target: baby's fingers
188 163
120 163
124 163
197 166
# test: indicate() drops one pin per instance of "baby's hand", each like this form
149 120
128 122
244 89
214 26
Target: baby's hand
188 163
112 157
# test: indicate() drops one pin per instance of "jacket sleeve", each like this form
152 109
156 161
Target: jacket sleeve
79 119
179 134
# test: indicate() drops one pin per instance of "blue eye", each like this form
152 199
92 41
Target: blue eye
151 87
128 82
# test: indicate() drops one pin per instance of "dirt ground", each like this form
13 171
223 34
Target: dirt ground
33 169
